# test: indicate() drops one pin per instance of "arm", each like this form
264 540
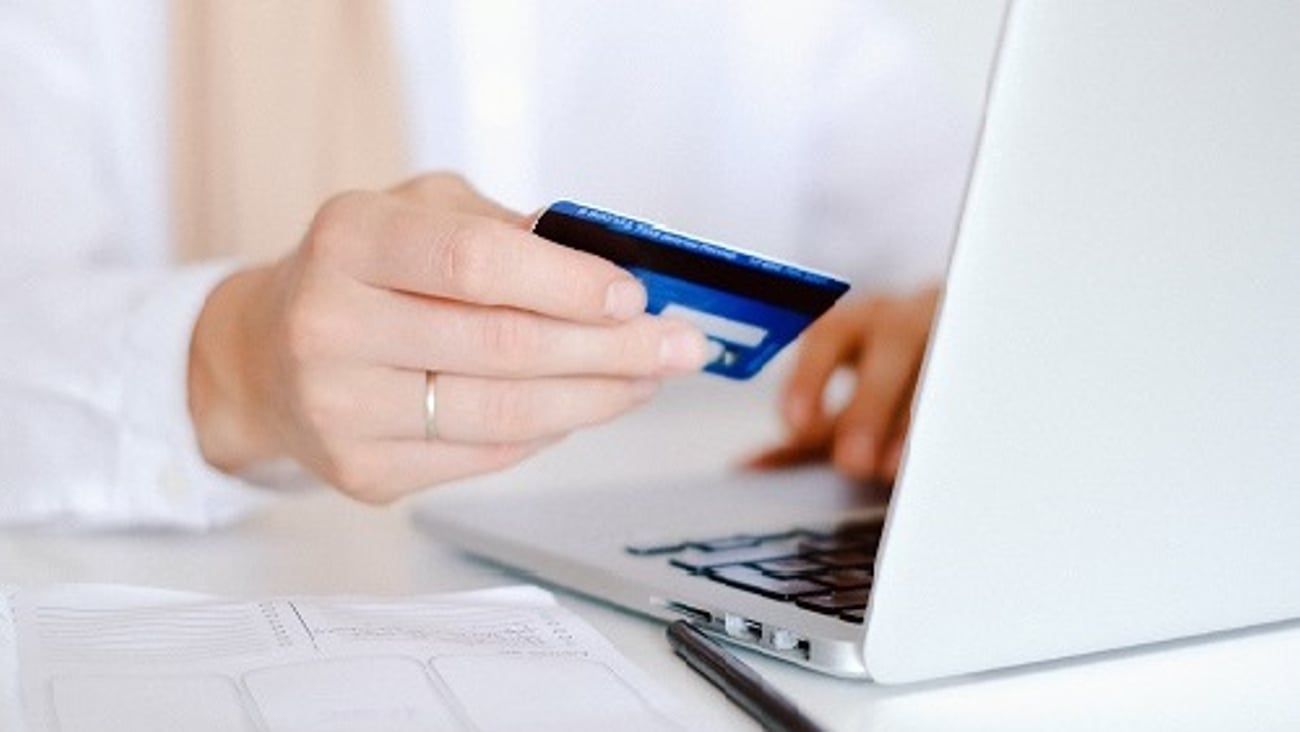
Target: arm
137 391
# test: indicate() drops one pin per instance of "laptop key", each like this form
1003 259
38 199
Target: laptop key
791 566
726 543
844 579
854 615
833 603
696 560
751 579
655 549
779 535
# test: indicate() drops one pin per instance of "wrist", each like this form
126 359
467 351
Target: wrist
225 376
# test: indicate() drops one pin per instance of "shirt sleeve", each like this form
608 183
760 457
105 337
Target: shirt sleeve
93 389
94 329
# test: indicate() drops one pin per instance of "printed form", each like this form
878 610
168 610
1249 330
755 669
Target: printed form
92 658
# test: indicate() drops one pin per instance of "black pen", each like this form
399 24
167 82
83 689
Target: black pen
739 682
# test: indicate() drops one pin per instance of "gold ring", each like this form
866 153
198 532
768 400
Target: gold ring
430 406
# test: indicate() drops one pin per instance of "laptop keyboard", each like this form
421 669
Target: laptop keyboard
825 571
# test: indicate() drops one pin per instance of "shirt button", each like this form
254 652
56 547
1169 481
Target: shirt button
171 481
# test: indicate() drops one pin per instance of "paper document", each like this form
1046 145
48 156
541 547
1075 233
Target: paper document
96 658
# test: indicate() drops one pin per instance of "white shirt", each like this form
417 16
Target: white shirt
809 131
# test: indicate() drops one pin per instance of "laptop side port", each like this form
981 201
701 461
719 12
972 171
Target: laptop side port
742 628
690 612
786 641
769 638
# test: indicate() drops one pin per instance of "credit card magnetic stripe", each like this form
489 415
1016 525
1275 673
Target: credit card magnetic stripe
750 306
622 240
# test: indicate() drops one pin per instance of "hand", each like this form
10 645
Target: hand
883 340
322 356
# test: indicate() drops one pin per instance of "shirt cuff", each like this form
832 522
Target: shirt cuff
161 475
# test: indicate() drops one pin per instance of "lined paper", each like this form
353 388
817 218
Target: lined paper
94 658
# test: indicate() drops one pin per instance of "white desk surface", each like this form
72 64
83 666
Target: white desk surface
322 543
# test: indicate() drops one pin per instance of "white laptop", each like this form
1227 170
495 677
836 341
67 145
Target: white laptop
1105 449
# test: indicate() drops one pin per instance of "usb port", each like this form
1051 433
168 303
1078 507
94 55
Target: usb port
742 628
690 612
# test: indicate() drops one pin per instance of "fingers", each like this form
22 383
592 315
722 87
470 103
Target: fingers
788 455
529 339
884 339
449 337
389 242
356 405
474 410
866 425
830 342
870 429
481 425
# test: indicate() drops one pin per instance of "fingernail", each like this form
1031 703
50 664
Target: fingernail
624 299
856 450
683 350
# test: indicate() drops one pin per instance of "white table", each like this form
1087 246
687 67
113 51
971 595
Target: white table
322 543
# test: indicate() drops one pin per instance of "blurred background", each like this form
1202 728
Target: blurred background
960 38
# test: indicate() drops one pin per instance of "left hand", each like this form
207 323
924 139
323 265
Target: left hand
883 340
324 356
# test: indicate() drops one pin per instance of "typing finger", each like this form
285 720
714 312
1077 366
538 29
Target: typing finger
788 455
829 343
886 370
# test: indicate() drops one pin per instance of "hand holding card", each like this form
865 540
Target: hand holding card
749 306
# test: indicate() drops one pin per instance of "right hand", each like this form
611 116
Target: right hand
883 340
322 356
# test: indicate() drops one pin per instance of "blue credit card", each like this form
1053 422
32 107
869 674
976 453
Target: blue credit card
749 306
